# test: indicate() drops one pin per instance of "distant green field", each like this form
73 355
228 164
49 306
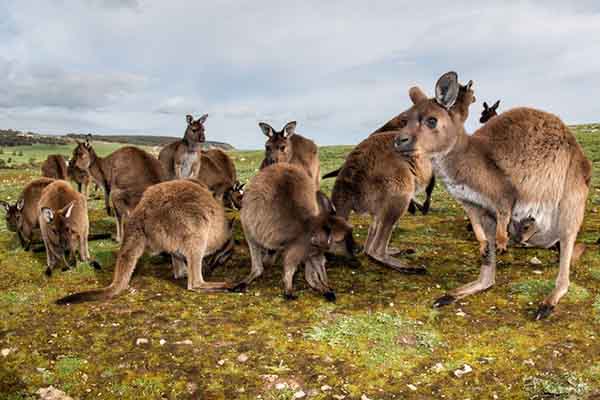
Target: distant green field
380 340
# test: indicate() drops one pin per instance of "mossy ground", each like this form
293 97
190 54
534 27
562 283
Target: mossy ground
378 338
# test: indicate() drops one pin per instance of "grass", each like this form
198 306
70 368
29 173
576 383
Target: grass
378 338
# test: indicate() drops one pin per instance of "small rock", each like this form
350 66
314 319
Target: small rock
251 332
339 396
242 358
5 352
325 388
186 342
280 386
51 393
39 369
461 313
221 362
535 261
364 397
439 367
412 387
321 377
459 373
142 341
529 362
162 342
299 394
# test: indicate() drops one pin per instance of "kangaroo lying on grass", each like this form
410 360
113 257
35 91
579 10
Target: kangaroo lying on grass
219 174
178 217
127 172
181 159
283 211
488 174
23 216
289 147
64 224
55 167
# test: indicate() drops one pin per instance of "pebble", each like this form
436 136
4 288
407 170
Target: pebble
535 261
325 388
280 386
461 313
299 394
162 342
142 341
242 358
5 352
187 342
529 362
221 362
537 272
463 371
412 387
439 367
339 396
364 397
51 393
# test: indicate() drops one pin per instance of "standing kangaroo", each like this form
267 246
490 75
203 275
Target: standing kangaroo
181 159
55 167
489 174
177 217
124 175
219 174
64 224
289 147
282 211
80 176
23 216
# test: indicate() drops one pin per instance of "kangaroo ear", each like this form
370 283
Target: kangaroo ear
289 129
446 89
202 119
189 119
48 214
20 204
416 95
68 209
266 129
495 106
325 205
485 106
5 205
339 229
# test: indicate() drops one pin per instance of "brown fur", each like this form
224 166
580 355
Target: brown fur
182 158
80 176
22 217
127 172
524 163
55 167
64 224
488 112
283 212
219 174
374 180
177 217
289 147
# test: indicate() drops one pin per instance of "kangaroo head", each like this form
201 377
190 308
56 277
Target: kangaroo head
12 214
432 126
83 155
331 232
235 195
488 112
278 147
61 228
194 133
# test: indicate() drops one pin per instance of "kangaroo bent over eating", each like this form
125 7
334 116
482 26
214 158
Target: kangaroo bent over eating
488 174
55 167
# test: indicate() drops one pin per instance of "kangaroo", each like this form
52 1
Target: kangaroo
282 211
488 174
22 217
488 112
219 174
289 147
64 224
128 169
181 159
55 167
374 180
178 217
80 176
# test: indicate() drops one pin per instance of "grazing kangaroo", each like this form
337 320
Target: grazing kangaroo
80 176
289 147
64 224
127 172
181 159
178 217
282 211
55 167
488 112
374 180
219 174
22 217
497 185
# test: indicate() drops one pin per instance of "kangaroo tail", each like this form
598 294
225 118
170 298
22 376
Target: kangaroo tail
331 174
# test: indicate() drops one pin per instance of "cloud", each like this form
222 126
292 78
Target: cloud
340 69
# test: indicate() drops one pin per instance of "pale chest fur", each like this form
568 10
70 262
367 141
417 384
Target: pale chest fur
187 161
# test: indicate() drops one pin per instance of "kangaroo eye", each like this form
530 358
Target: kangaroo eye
402 123
281 148
431 122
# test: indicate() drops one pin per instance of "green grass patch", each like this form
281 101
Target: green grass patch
535 290
565 386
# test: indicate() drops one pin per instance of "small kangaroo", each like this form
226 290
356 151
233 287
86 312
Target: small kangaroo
181 159
64 224
488 174
289 147
374 180
282 211
128 169
178 217
55 167
23 216
219 174
488 112
80 176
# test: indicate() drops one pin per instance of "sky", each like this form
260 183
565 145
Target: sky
340 69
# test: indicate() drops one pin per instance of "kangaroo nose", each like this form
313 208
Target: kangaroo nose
403 141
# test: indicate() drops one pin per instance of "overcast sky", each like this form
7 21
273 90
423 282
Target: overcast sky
341 69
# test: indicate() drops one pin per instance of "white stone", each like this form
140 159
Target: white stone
162 342
535 261
325 388
142 341
186 342
242 358
280 386
5 352
459 373
299 394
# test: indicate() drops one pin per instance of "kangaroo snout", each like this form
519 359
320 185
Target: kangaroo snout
404 142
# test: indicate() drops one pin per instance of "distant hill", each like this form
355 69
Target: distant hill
9 137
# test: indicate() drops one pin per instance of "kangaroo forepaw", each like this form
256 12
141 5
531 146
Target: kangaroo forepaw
543 312
445 300
290 296
239 288
48 272
329 296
